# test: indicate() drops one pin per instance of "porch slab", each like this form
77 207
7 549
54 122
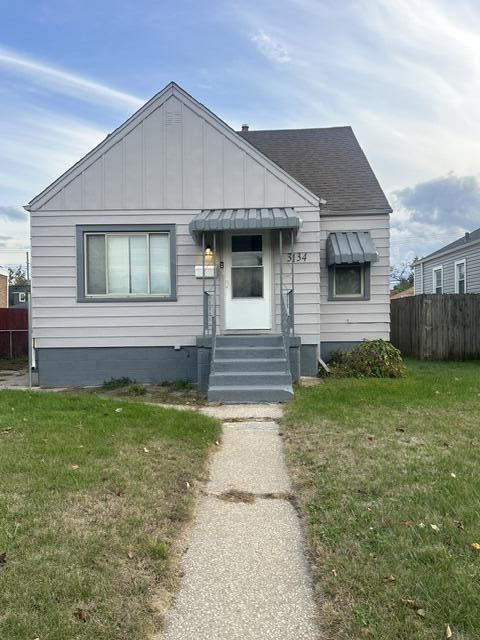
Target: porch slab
243 411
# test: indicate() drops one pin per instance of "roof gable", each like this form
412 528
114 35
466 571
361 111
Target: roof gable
328 161
173 153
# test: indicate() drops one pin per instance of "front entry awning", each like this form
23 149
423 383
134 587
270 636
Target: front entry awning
244 219
346 247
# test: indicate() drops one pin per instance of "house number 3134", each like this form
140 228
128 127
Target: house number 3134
297 257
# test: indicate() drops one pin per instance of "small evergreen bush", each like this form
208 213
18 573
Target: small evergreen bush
370 359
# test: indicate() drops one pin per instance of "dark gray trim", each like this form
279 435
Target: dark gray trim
309 359
89 366
366 284
81 230
328 348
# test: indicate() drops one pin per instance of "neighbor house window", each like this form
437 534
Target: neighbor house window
438 280
123 263
349 282
460 276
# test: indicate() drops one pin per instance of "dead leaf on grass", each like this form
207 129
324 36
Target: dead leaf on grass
459 524
130 554
413 604
453 475
435 528
3 558
73 467
81 614
406 523
6 430
389 578
448 631
476 546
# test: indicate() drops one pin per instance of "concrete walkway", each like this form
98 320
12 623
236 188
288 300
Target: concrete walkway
245 571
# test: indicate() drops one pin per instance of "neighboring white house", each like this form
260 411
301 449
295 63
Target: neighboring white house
454 268
181 249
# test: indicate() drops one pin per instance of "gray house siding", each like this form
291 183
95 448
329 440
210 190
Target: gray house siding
471 254
345 323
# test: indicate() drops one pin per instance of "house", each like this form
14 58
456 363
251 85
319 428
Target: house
3 288
179 248
454 268
17 296
406 293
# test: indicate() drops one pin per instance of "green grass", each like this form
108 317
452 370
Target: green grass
92 503
376 463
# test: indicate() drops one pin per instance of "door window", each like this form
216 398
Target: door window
247 267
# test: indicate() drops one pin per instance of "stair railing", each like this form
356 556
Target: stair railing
286 311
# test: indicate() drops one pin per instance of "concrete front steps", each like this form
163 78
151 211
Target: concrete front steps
250 369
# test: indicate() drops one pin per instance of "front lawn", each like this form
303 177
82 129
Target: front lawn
388 478
94 494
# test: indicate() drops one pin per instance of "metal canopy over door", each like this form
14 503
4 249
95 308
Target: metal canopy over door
248 282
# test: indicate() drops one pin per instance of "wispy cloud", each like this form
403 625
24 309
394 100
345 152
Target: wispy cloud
66 81
12 213
271 48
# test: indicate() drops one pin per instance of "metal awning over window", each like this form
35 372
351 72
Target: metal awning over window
346 247
244 219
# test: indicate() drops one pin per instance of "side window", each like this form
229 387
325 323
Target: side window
349 282
461 276
438 279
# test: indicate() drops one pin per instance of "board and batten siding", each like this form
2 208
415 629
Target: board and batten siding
471 254
357 320
175 155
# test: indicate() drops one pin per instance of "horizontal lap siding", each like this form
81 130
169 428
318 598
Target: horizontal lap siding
357 320
472 257
306 276
60 321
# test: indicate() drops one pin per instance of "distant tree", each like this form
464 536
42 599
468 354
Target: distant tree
17 276
401 276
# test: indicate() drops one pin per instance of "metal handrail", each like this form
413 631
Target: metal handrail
210 324
286 310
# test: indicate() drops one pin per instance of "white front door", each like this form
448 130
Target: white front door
247 280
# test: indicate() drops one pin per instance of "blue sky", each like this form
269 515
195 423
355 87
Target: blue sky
404 73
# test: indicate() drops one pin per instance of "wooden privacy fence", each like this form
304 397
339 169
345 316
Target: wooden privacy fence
13 333
437 326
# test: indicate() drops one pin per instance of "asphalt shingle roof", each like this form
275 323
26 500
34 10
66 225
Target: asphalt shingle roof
329 162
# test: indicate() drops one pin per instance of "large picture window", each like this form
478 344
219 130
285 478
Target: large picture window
126 264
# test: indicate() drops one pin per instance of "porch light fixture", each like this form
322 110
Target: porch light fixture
208 256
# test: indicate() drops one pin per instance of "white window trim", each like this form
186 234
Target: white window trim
106 235
83 230
457 262
434 270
